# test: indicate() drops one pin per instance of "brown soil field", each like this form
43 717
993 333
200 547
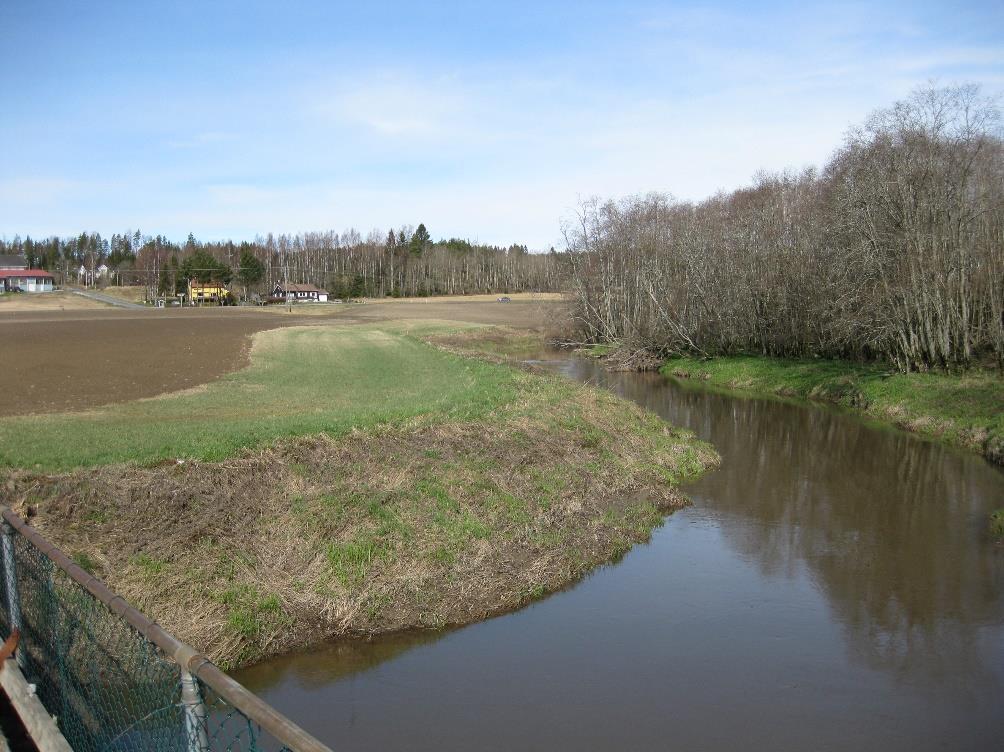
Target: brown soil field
71 360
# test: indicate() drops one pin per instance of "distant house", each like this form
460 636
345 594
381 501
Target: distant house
207 292
13 263
300 292
25 280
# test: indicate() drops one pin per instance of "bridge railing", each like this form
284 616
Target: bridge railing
113 679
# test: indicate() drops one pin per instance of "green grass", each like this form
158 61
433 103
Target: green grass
83 560
251 614
151 567
598 350
997 524
496 342
301 381
963 409
350 561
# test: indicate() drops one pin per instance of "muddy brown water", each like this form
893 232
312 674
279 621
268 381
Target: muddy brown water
833 587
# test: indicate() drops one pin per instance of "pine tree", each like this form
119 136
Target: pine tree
419 241
251 269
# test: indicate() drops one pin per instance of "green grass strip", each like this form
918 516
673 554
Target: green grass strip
965 409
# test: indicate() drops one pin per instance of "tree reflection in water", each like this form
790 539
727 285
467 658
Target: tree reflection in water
892 529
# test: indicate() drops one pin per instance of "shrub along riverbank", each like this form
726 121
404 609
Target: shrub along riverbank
350 481
964 409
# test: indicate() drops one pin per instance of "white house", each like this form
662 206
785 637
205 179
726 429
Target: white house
306 293
25 280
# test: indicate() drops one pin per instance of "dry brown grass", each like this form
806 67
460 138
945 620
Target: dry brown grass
58 300
128 293
493 298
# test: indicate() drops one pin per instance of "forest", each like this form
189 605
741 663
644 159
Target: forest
404 262
892 251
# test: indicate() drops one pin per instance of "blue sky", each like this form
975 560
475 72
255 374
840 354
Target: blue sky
485 120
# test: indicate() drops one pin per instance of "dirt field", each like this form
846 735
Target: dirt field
57 360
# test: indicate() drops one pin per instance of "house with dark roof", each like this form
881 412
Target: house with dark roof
305 293
13 263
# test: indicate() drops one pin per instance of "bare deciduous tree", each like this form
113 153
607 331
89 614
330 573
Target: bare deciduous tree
894 251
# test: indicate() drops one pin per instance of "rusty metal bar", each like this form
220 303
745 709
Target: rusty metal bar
188 658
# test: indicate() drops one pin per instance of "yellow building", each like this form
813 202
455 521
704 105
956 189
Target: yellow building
215 293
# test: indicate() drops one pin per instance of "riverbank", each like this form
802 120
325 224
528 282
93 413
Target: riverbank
965 410
351 481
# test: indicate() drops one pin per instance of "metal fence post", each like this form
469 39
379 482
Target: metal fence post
195 713
55 636
10 580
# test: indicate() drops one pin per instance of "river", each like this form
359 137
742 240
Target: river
833 587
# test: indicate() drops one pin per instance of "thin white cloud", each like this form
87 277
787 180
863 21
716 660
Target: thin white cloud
390 104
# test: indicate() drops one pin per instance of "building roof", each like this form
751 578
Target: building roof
23 273
19 261
300 288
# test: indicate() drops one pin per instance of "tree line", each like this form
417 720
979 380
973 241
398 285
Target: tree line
893 251
402 262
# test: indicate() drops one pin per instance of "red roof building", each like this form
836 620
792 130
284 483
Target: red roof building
26 280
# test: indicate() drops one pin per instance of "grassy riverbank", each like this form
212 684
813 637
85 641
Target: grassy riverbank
351 480
966 410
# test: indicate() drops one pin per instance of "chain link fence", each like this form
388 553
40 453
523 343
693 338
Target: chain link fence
114 680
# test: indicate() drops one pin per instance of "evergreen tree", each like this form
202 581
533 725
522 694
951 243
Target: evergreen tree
202 267
165 286
173 265
251 269
419 241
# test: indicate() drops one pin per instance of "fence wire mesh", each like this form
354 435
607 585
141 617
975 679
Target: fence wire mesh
108 686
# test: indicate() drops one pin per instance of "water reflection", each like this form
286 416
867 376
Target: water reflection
337 660
891 528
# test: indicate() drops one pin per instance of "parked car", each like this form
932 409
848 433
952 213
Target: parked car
504 299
